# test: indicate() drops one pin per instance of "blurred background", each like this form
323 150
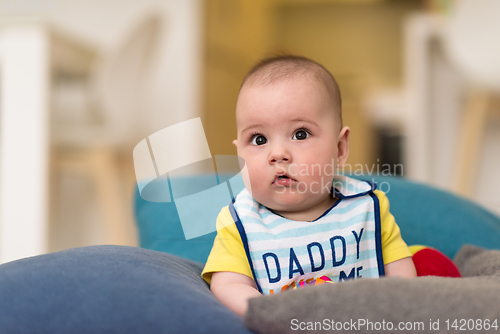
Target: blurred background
83 81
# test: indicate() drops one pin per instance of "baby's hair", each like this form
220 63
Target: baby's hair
281 67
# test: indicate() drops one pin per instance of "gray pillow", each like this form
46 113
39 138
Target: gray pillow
382 305
476 261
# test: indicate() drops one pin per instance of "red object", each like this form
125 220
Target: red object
431 262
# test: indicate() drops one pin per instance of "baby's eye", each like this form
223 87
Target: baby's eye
259 140
301 135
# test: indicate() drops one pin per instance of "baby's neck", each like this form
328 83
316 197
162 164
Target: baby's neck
309 214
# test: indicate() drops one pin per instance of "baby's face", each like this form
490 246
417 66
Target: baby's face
291 141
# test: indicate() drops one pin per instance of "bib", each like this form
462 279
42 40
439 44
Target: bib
342 244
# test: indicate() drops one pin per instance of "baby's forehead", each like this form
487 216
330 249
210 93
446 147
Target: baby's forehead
251 92
256 87
315 104
264 79
283 102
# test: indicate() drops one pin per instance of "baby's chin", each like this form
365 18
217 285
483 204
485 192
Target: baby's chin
285 205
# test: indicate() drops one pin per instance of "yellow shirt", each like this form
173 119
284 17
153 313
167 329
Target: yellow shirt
228 252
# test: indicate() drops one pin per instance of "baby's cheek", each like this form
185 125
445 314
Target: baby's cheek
318 186
320 183
256 184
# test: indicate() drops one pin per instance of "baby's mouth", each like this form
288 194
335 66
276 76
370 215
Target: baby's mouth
283 180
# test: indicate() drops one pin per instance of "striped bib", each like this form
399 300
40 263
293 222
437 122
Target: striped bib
344 243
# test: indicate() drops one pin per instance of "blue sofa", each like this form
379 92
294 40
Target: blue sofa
157 288
425 215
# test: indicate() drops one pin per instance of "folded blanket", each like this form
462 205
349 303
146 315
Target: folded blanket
424 304
475 261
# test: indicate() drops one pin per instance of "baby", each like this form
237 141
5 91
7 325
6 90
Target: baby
297 223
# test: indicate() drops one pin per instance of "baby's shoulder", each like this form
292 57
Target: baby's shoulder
382 197
225 218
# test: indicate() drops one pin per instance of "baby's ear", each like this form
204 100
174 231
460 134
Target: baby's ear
235 143
343 146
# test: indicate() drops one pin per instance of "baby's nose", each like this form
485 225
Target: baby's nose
280 154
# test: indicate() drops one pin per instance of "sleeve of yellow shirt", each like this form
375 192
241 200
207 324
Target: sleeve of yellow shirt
228 252
393 246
